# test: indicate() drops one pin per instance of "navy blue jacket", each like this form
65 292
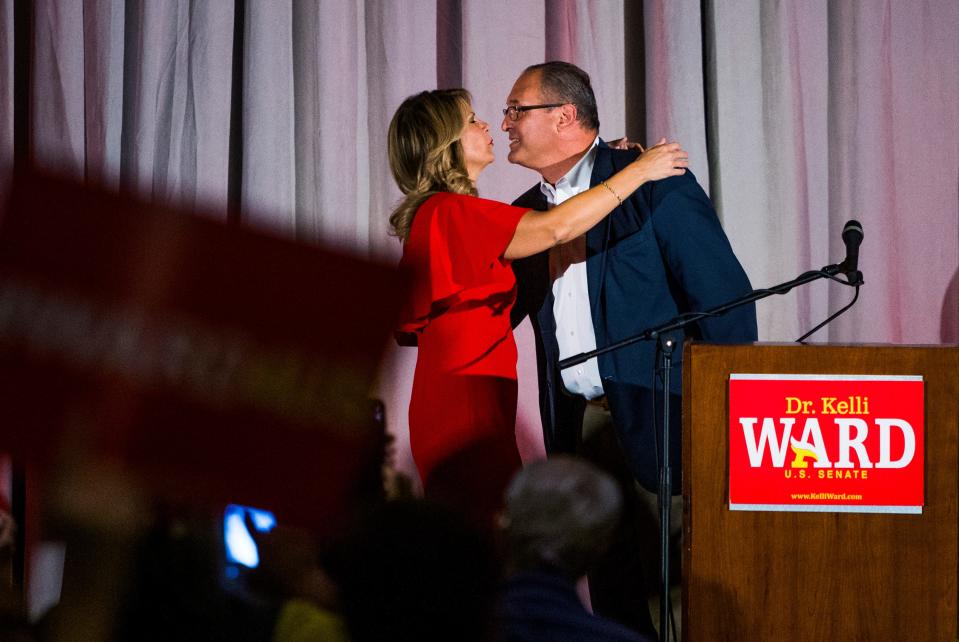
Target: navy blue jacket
540 605
661 253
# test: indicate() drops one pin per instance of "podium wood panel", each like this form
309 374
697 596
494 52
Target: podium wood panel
817 576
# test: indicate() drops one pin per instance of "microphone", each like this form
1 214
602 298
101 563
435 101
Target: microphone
852 237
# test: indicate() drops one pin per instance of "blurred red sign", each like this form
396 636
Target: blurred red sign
217 362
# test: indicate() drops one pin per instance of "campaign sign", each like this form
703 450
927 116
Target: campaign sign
826 443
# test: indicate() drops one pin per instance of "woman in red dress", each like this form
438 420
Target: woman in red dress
458 248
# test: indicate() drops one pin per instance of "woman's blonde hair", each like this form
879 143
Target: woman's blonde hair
425 152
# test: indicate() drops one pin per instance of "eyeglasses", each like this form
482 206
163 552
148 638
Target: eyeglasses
513 111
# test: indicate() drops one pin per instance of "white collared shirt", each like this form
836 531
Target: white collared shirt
567 267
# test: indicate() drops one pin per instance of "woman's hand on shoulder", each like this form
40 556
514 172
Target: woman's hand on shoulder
663 160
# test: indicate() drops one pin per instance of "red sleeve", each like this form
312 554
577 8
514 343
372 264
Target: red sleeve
455 250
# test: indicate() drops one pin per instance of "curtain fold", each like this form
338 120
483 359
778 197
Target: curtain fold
331 130
593 37
770 151
210 45
675 101
268 186
103 26
401 60
57 103
895 163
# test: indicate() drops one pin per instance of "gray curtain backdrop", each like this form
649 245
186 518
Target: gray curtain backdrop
273 114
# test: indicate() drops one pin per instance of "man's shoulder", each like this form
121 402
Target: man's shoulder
608 161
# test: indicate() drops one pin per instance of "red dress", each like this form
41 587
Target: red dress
463 407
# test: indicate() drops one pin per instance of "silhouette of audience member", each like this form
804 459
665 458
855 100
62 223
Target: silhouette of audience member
560 515
415 571
290 574
178 590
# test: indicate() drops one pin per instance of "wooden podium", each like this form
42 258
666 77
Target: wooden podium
814 576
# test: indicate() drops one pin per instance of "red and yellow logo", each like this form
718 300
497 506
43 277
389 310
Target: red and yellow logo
844 443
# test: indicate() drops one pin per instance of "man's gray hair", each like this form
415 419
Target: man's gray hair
560 514
567 83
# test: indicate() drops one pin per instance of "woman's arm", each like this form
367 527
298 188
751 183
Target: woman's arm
538 231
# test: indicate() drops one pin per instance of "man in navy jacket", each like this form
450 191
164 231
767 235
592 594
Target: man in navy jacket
660 254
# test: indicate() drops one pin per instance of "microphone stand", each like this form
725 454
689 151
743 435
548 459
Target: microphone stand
666 345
